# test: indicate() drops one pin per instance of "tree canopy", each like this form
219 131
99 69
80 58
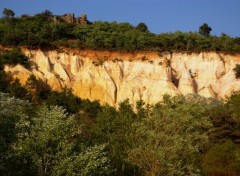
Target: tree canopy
45 141
182 135
142 27
205 30
7 13
42 30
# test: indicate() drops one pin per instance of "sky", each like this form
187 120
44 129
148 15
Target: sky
223 16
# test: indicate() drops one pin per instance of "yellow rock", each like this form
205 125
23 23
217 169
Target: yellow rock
112 77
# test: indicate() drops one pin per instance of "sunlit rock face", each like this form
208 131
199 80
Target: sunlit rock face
112 77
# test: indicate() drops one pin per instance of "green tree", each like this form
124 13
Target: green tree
92 161
17 90
169 140
12 111
46 141
205 30
14 57
233 104
92 108
226 121
112 127
65 99
222 159
52 142
8 13
4 81
179 40
41 31
45 15
142 27
34 87
60 30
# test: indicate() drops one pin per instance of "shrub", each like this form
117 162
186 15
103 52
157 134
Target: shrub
14 57
237 71
222 159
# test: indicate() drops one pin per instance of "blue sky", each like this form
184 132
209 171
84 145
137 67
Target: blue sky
159 15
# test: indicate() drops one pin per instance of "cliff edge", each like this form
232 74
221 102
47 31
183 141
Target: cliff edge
111 77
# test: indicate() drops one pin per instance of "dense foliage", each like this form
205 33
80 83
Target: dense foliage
7 83
188 135
45 141
13 57
174 134
40 30
205 30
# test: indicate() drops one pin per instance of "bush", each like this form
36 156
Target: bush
65 99
237 71
14 57
41 31
222 159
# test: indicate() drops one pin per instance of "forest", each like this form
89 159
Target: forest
41 30
44 132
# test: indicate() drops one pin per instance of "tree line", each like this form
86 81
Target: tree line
182 135
40 30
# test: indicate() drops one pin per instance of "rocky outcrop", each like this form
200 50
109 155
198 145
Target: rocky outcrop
70 18
111 77
82 20
186 83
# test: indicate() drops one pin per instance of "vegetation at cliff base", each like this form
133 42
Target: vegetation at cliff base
45 30
46 141
182 135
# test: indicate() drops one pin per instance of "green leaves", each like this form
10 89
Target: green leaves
46 141
168 141
42 31
222 159
48 133
183 135
112 127
65 99
165 139
8 13
12 112
205 30
13 57
92 161
142 27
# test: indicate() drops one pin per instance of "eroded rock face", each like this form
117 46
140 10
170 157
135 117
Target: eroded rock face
70 18
82 20
112 77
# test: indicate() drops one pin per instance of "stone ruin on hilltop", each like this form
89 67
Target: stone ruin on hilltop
70 18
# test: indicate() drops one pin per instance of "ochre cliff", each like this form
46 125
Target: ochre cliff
112 77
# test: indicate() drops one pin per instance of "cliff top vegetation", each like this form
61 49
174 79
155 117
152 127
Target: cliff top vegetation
47 30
